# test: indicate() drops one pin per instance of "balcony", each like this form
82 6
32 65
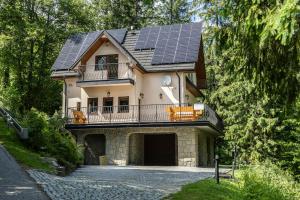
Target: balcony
144 114
108 74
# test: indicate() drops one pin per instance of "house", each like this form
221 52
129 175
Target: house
131 95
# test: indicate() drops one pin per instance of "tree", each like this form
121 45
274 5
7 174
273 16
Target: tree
115 14
252 56
173 11
31 35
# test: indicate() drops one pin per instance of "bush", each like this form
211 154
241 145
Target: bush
268 181
37 123
47 135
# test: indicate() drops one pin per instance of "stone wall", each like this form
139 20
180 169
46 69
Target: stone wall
187 147
136 149
205 149
125 145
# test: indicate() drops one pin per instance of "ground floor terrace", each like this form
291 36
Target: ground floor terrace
174 144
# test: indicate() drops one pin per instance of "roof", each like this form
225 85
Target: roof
158 48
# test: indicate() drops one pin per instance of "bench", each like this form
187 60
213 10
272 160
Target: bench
184 113
79 117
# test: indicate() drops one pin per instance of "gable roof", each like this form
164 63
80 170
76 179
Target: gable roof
180 42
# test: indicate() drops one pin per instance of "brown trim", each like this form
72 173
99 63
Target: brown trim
192 88
93 48
98 42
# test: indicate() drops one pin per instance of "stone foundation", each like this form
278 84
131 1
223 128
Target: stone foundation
124 146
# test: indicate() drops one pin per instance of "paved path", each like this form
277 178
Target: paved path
14 181
112 182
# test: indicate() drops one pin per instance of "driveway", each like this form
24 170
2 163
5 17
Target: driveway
113 182
15 184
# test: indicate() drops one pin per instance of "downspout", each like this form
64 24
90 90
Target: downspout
179 88
66 100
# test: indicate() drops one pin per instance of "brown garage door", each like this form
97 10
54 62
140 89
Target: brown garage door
160 149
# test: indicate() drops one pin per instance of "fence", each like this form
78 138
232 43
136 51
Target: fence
22 132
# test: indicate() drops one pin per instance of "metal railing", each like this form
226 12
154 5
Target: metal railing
109 71
12 122
146 113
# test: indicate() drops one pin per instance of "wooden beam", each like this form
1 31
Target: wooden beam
92 50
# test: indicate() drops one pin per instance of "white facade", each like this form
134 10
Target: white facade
147 88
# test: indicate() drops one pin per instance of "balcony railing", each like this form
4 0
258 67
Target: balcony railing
109 71
144 113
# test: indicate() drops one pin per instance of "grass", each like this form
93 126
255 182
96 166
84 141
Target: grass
26 157
262 182
208 190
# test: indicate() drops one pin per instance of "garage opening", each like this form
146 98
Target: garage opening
160 149
94 147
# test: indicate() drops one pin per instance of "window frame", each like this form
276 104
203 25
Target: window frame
78 106
119 105
94 112
106 64
106 108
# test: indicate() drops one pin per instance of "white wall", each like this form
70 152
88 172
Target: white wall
152 88
73 92
105 49
101 92
148 83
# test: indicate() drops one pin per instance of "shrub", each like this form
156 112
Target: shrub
37 123
47 134
267 181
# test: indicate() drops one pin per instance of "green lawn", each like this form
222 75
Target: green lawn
23 155
209 190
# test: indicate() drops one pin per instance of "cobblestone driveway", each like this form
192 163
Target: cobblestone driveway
111 182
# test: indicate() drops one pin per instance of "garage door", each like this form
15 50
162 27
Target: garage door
160 149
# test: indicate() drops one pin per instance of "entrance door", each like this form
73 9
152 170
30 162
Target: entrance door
94 147
160 149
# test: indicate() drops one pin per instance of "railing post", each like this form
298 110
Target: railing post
156 112
110 115
88 115
132 118
217 169
139 112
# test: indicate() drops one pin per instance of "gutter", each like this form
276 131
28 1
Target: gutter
66 99
179 88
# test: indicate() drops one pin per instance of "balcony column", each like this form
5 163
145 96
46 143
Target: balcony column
187 140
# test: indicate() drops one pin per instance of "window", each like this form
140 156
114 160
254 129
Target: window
109 63
78 106
108 103
92 105
123 105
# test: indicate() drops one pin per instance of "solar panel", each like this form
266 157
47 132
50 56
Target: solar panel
148 38
178 44
74 47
